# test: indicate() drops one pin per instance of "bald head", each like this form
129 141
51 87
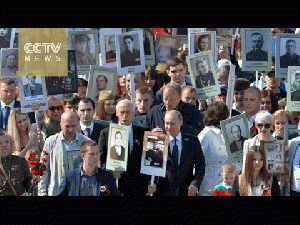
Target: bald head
68 124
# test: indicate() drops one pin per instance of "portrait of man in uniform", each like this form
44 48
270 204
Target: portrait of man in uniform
256 53
290 58
117 151
295 95
130 56
32 88
238 140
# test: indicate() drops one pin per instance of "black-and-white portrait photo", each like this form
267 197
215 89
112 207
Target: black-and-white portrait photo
204 76
9 62
256 49
154 152
165 47
237 138
110 48
84 45
202 43
32 87
5 37
289 52
117 151
130 50
295 89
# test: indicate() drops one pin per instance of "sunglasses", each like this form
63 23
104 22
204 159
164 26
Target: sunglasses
265 125
53 108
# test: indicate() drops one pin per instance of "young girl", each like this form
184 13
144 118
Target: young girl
255 180
228 173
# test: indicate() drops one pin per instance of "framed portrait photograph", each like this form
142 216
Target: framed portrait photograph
33 93
203 74
74 160
66 84
9 58
293 88
166 46
117 151
290 132
256 50
155 153
100 79
287 53
108 50
148 44
6 37
275 156
130 52
203 41
235 131
85 44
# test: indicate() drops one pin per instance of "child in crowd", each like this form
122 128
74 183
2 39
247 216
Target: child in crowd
228 173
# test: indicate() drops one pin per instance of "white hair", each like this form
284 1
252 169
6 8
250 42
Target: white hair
264 115
124 102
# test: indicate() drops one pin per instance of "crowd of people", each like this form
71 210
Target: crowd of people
165 103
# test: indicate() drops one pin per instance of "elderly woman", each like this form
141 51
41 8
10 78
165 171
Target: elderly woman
281 119
264 123
213 146
15 176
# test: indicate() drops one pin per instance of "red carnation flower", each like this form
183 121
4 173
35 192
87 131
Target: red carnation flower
45 152
34 171
33 162
41 172
43 167
32 155
44 159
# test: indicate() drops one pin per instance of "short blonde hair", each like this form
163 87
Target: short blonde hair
228 168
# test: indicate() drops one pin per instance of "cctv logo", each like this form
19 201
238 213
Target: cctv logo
37 48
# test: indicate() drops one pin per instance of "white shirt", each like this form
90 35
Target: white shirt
295 184
11 105
178 143
130 137
83 127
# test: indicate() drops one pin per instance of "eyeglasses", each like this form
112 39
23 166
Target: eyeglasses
265 125
53 108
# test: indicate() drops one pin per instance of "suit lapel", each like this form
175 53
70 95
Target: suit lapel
77 182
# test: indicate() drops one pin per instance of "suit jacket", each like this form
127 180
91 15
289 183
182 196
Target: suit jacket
258 55
289 60
54 176
178 179
72 187
132 182
234 147
18 105
130 59
192 118
204 80
98 126
36 90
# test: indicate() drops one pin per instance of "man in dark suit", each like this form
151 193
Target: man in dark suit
89 127
184 154
32 88
89 180
192 118
117 152
8 102
295 95
238 142
131 182
205 76
257 54
131 56
290 58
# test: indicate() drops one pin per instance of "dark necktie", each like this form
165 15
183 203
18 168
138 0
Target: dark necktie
175 153
6 114
88 132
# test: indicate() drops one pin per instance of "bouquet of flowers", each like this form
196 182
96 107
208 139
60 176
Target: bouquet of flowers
36 167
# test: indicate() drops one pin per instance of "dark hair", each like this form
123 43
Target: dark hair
71 99
241 84
153 73
268 93
174 61
87 100
82 82
215 113
7 81
127 37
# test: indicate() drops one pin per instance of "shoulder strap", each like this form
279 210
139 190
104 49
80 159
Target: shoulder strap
8 180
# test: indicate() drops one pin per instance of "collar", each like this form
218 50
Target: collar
83 127
178 138
83 173
183 84
11 105
226 186
63 137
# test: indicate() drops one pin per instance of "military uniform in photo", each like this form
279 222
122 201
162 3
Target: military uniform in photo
236 146
33 90
258 55
117 153
204 80
130 58
289 60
